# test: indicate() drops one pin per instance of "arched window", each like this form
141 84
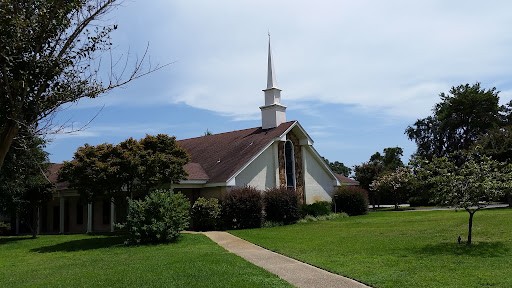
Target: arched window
289 164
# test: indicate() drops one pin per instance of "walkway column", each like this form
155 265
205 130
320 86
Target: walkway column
112 214
17 223
38 220
89 217
304 171
61 215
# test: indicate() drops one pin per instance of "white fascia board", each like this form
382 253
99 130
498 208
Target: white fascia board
193 182
307 141
324 165
218 184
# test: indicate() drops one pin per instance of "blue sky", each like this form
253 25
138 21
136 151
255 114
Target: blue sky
354 73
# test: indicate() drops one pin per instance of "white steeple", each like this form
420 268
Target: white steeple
273 113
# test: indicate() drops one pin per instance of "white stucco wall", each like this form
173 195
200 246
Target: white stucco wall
319 183
261 173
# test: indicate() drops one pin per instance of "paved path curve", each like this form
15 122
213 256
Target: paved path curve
295 272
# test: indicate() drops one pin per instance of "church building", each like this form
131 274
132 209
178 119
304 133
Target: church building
278 153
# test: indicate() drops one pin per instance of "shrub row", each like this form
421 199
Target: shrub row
246 207
162 215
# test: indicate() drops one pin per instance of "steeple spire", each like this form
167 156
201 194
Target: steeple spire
271 75
273 113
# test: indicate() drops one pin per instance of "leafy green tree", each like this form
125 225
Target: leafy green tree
472 185
367 172
23 183
338 167
462 116
397 183
51 55
131 168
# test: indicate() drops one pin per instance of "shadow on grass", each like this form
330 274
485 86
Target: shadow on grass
5 240
478 249
81 245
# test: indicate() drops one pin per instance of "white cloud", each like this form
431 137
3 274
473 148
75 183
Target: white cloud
391 57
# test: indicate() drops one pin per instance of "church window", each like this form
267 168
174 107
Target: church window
289 164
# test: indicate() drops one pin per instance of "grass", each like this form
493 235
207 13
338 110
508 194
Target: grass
402 249
103 261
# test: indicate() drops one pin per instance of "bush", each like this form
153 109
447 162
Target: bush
158 218
205 214
352 200
418 201
317 209
5 228
242 208
281 205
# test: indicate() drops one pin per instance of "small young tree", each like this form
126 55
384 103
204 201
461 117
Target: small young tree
470 185
397 183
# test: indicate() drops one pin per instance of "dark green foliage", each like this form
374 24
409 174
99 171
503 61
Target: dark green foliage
23 186
338 167
367 172
417 201
131 168
158 218
317 209
205 214
5 228
463 115
352 200
242 208
281 205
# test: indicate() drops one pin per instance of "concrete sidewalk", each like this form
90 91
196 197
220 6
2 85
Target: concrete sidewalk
295 272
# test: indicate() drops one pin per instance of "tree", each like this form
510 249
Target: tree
23 183
365 174
49 56
369 171
338 167
470 185
461 117
397 183
131 168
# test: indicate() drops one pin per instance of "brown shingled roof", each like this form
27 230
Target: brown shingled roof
222 155
345 180
53 175
195 172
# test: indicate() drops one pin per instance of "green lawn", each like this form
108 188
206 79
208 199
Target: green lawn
402 249
102 261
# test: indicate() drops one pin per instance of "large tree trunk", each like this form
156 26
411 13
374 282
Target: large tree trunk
10 131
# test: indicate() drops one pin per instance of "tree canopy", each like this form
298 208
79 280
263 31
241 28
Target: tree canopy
464 114
369 171
338 167
130 168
